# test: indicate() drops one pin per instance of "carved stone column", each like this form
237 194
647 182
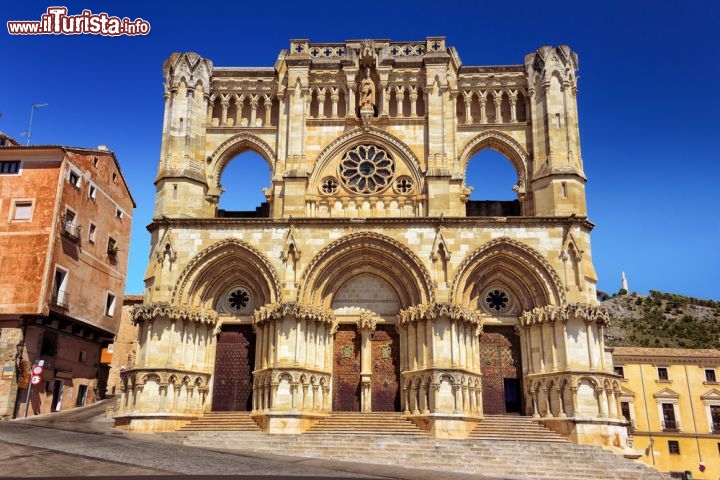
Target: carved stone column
366 325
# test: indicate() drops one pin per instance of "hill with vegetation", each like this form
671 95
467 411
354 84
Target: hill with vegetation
662 320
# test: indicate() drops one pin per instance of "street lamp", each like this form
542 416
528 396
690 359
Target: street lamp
18 356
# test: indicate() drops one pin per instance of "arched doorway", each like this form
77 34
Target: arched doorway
366 358
234 364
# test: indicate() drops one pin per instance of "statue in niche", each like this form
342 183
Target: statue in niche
367 92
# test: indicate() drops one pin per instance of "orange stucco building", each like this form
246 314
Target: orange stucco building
65 220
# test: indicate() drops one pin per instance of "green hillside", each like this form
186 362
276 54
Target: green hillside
662 320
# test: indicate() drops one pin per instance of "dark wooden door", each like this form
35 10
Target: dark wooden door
501 370
346 369
234 363
385 370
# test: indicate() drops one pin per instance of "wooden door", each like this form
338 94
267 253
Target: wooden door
385 369
346 369
234 363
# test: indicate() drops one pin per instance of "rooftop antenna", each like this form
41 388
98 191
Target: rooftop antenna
32 110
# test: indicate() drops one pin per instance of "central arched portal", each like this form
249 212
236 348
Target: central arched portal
366 351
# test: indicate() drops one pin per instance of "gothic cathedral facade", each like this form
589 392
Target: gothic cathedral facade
368 280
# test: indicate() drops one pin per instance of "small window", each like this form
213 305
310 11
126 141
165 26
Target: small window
625 409
74 178
620 371
112 247
715 418
49 343
92 192
22 210
674 447
59 296
82 395
11 167
95 162
114 177
710 375
563 185
82 356
662 374
91 233
118 214
110 305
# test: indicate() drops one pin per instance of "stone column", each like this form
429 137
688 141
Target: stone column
413 101
483 104
498 105
468 107
513 105
366 325
268 111
399 97
225 104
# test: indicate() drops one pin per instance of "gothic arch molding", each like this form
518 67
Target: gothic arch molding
218 266
366 252
514 264
372 134
502 143
226 151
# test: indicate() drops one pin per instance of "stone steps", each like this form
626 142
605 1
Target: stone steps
514 427
378 423
223 421
508 459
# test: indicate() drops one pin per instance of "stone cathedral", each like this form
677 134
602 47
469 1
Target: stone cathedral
368 281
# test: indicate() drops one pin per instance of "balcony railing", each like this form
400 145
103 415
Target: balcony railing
669 425
72 230
59 299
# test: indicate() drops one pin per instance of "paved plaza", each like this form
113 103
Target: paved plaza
82 442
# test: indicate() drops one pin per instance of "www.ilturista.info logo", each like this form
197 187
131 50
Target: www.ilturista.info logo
57 22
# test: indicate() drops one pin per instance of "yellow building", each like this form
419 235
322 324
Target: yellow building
672 399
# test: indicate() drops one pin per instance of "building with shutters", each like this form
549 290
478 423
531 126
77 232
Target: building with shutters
368 280
671 398
65 218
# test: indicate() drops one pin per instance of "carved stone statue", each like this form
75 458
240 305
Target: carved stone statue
367 92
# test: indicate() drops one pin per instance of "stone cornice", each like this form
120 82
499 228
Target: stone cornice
435 310
552 313
153 310
275 311
334 223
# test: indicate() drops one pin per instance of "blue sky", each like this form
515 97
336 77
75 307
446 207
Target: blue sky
648 103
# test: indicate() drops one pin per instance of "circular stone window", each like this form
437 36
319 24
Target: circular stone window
366 169
328 186
496 300
237 300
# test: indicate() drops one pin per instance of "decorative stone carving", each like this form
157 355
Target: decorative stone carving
552 313
154 310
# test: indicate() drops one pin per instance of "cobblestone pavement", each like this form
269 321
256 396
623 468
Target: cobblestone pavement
82 442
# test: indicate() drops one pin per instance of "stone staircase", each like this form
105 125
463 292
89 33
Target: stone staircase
509 455
375 423
514 427
223 421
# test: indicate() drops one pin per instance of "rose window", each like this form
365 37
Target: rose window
328 186
238 299
497 300
367 169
